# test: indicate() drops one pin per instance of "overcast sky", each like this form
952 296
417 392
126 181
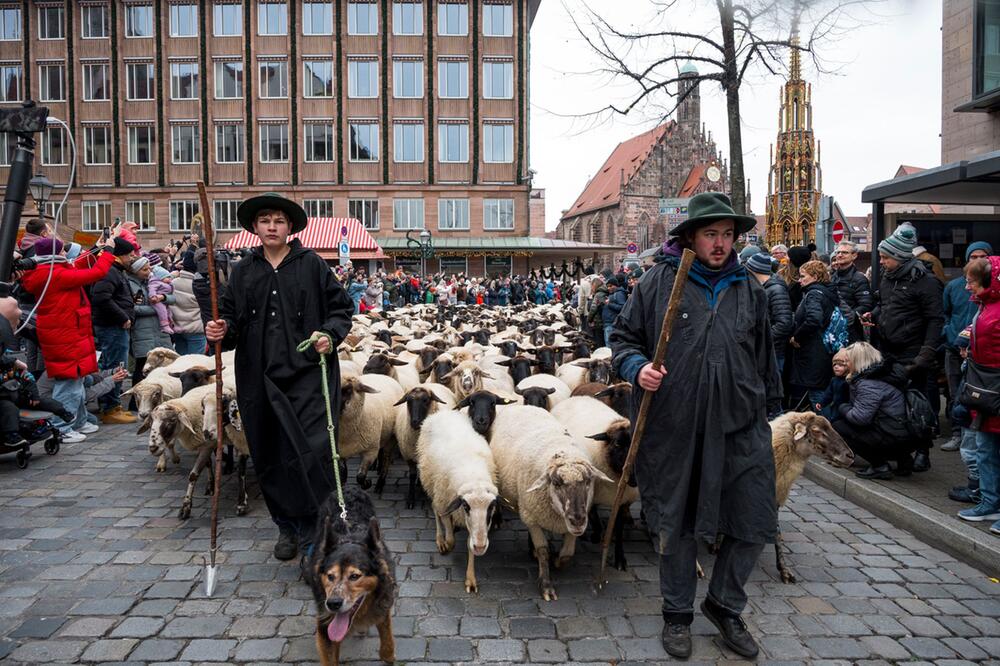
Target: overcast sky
882 107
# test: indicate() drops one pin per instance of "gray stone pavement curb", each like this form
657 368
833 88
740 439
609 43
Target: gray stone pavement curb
972 546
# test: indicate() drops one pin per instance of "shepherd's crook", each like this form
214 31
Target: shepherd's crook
211 570
676 294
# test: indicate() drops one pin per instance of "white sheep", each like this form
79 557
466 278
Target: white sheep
547 479
458 473
367 420
232 434
548 391
153 390
466 378
411 411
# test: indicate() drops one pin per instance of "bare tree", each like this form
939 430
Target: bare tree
752 34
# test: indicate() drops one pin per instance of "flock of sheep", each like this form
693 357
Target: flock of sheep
491 408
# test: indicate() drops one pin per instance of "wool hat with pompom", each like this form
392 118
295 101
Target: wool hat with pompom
900 244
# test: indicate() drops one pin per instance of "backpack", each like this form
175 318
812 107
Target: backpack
921 421
835 336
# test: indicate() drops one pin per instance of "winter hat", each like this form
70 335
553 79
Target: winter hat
918 250
154 259
187 263
799 255
139 264
128 234
978 245
73 251
47 246
964 337
759 263
748 252
123 247
900 244
159 272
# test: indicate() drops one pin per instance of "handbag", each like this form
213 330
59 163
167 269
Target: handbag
981 391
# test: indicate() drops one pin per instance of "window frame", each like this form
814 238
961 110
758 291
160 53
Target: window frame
398 128
129 24
489 9
264 17
218 11
410 201
507 66
497 201
86 24
352 83
46 148
195 80
367 206
3 23
195 141
220 65
96 206
227 222
417 18
306 12
43 11
307 80
3 82
130 80
186 205
44 80
450 202
373 143
352 18
443 143
88 79
175 12
307 141
240 142
282 81
7 150
263 143
307 203
133 152
442 18
88 131
487 136
144 205
400 66
463 81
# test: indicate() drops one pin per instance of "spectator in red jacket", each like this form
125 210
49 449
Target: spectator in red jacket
65 331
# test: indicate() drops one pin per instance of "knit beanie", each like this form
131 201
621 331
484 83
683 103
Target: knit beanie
154 259
748 252
47 246
123 247
900 244
139 264
799 255
159 272
978 245
759 263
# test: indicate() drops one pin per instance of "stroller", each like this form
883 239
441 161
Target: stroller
34 413
34 426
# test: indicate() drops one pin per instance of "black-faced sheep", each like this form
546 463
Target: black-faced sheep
411 411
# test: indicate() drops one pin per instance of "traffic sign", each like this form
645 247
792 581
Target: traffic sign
345 250
632 248
837 231
343 231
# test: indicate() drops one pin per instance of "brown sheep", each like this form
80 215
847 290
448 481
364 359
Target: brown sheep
617 396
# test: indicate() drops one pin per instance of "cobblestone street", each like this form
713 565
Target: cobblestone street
95 566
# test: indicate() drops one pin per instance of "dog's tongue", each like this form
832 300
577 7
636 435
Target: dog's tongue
339 626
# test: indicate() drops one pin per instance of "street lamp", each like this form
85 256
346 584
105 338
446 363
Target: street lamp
40 188
425 250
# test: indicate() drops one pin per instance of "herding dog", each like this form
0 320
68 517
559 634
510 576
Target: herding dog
352 576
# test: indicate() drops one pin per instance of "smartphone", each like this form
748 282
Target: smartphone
121 366
105 234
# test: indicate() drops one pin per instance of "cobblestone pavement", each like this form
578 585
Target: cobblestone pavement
96 567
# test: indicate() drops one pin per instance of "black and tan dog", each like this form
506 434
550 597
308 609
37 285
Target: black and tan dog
352 577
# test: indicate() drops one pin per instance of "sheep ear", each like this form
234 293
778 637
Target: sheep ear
397 362
505 363
506 401
128 392
518 390
210 373
145 426
464 403
603 393
364 388
486 375
800 432
452 507
600 437
185 421
435 398
450 375
540 482
550 391
599 475
401 401
581 364
175 375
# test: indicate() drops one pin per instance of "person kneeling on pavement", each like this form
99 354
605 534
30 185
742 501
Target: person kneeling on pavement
873 423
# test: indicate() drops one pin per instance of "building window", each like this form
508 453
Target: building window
227 19
498 79
407 18
454 142
498 214
140 83
407 213
498 20
97 145
453 79
138 21
94 21
498 265
181 213
364 211
986 60
184 20
186 147
140 144
362 78
498 142
96 215
273 142
50 83
95 83
319 142
364 142
408 142
229 141
142 213
272 18
407 78
10 24
224 214
317 18
55 147
52 22
229 79
183 80
10 83
273 79
8 146
453 19
318 78
52 211
453 214
362 18
318 207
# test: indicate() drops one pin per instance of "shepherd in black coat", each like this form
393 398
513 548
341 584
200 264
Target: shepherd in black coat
275 299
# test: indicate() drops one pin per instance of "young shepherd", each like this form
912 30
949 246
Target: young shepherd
459 475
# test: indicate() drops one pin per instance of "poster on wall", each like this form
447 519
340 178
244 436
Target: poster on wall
454 265
497 265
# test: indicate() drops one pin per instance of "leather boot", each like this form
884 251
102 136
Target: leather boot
733 630
676 640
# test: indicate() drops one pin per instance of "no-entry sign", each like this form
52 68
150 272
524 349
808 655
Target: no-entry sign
837 231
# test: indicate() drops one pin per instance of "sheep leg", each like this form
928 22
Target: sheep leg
204 455
362 478
620 563
449 533
383 471
227 460
779 558
567 551
411 493
210 485
173 454
439 534
541 550
596 526
471 584
161 462
242 499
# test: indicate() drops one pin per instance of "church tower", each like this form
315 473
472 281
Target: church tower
689 109
794 180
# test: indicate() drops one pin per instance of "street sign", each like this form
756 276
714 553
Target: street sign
343 231
632 248
837 231
345 250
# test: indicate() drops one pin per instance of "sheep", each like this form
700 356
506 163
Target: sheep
617 396
605 437
349 368
519 367
233 435
585 370
159 357
482 409
458 473
403 372
534 453
367 420
193 377
158 386
496 379
466 378
543 391
411 410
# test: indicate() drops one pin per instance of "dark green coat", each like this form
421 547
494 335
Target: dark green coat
705 465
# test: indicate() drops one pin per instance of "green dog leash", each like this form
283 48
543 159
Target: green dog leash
303 346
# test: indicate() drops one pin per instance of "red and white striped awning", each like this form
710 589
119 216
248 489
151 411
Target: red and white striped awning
322 234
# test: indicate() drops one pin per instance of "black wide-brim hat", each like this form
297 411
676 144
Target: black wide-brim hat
709 207
247 211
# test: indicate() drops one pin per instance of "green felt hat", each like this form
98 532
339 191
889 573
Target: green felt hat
247 211
709 207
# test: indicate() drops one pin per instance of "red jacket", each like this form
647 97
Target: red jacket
65 331
985 343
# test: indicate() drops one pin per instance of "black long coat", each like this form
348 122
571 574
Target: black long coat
810 364
705 465
280 389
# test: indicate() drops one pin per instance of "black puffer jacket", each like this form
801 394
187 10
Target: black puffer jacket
810 362
877 400
909 316
111 298
856 293
779 313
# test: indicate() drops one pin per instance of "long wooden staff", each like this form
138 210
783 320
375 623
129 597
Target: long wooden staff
676 294
211 571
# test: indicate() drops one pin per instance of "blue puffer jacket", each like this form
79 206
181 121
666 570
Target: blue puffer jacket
614 305
877 400
959 309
